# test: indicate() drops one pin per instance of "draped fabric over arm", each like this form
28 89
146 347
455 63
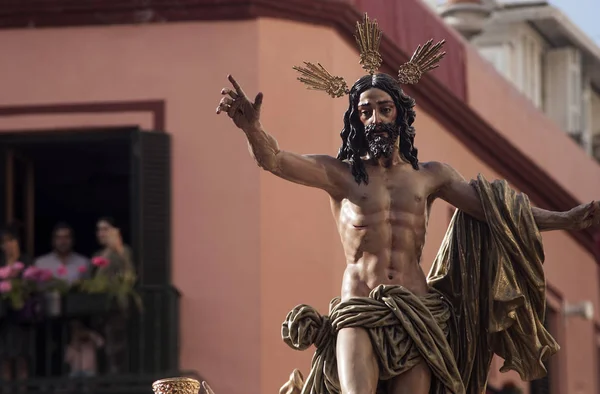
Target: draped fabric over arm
492 274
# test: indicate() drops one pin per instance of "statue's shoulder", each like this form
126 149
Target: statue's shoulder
439 171
432 166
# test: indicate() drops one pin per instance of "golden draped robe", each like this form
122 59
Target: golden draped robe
487 297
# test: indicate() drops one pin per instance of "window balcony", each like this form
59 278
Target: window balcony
152 346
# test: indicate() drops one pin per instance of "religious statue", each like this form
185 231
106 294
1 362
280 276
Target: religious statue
393 329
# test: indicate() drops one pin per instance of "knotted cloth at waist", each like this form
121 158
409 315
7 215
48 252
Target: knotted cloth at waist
404 329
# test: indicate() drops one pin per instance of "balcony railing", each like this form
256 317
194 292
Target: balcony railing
123 384
152 349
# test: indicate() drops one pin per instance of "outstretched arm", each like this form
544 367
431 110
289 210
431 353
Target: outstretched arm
321 171
456 191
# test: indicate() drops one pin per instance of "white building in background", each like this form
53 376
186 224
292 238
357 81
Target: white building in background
543 53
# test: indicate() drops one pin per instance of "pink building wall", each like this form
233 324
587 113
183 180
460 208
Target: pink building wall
247 246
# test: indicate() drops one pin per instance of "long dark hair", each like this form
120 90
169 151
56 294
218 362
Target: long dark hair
354 143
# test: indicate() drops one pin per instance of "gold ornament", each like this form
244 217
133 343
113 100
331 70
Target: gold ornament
317 78
425 58
176 386
368 37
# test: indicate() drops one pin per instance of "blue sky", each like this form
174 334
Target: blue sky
584 13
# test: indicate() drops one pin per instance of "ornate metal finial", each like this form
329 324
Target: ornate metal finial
368 38
176 386
425 58
318 78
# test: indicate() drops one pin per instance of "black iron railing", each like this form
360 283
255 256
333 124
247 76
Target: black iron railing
122 384
152 347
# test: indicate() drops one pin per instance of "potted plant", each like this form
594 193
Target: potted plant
102 292
19 287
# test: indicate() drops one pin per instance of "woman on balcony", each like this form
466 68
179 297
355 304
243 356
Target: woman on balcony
16 339
120 264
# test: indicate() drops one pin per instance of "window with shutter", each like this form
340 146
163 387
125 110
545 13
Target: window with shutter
575 82
151 226
151 206
530 81
586 116
3 177
564 89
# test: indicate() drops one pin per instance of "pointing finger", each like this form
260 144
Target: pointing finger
236 86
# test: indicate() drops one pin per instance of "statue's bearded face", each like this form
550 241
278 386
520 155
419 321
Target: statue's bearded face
378 116
382 138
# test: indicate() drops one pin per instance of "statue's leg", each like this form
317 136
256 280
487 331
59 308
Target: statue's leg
357 366
417 380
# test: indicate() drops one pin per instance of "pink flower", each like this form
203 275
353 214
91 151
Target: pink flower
100 261
31 273
44 275
16 267
61 271
5 272
5 286
35 274
82 269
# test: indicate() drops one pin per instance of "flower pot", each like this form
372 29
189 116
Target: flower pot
52 304
32 310
84 304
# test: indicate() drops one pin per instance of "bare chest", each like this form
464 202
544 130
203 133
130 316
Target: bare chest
389 197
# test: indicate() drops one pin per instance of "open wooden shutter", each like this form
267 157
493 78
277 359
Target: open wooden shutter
151 206
17 195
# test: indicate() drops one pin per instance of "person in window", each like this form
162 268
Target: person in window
120 265
113 249
81 351
15 338
63 261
